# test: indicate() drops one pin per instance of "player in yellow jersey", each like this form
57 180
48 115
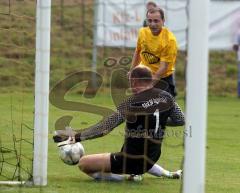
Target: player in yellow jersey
157 49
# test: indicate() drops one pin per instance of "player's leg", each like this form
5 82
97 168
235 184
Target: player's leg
98 166
95 163
171 85
167 84
159 171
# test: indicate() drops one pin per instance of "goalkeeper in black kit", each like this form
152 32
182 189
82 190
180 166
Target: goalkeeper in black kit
146 113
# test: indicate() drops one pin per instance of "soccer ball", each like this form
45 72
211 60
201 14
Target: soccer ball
71 153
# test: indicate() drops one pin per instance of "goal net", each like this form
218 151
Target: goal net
76 58
17 54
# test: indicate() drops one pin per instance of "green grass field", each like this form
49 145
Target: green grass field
223 157
71 51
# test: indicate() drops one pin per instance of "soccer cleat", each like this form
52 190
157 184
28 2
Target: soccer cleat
176 175
134 178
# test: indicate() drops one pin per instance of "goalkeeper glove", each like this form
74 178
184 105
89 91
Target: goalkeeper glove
63 135
70 140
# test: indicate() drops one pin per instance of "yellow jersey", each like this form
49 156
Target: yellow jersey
156 49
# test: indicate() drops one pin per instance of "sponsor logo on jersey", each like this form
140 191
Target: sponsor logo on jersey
150 58
154 101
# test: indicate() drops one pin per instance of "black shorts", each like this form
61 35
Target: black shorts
167 84
121 163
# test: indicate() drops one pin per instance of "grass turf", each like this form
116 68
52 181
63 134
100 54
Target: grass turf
223 157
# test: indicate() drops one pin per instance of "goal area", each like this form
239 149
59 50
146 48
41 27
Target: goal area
25 54
92 66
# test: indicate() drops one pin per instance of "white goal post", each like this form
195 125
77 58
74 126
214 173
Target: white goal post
42 70
194 165
42 75
12 182
196 98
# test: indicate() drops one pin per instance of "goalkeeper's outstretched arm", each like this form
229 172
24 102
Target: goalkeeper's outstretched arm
100 129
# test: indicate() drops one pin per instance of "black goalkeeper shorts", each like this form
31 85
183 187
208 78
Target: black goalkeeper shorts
167 84
121 163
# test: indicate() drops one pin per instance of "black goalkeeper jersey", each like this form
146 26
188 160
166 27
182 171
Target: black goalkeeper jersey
146 118
145 114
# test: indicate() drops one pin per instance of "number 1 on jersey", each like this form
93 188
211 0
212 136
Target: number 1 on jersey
156 114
